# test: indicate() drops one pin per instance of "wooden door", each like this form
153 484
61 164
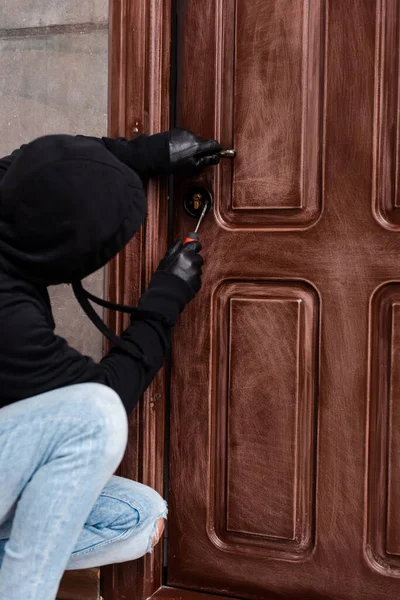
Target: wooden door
285 385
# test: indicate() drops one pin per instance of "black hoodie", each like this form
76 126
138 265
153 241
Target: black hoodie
67 206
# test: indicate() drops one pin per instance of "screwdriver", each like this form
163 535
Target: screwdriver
193 236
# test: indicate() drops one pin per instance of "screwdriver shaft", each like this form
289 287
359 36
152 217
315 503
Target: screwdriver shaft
201 216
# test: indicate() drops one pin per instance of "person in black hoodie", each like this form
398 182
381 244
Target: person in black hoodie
67 206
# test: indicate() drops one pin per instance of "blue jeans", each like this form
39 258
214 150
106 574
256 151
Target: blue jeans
60 506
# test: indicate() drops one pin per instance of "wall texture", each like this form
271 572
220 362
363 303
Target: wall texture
53 62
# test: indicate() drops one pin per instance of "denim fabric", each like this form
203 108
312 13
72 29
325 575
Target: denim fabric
60 506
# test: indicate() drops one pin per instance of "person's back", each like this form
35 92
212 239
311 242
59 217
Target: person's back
67 206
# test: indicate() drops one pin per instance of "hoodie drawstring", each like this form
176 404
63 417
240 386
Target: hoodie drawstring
83 297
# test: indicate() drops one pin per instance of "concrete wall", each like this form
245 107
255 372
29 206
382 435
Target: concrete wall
53 65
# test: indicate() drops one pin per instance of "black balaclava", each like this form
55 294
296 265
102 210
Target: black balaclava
67 206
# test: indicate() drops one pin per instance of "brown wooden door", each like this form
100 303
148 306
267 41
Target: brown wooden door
285 391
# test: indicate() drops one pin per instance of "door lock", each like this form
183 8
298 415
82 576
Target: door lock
195 199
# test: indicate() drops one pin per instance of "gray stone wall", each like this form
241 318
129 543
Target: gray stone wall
53 65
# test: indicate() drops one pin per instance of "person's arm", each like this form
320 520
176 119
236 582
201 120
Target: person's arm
149 155
167 295
34 360
172 286
164 153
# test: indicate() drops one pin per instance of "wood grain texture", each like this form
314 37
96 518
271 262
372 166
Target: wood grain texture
260 492
270 77
268 61
383 525
169 593
345 256
386 198
393 515
175 594
350 60
139 103
265 348
79 585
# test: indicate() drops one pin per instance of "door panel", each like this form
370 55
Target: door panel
383 542
264 338
270 79
284 444
386 190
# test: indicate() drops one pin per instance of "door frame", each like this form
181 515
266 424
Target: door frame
139 102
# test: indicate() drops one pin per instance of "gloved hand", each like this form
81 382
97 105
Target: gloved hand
167 296
189 151
184 261
165 153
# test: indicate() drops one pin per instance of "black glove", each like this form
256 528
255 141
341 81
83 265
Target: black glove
189 151
165 153
184 261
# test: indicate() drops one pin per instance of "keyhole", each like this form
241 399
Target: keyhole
194 200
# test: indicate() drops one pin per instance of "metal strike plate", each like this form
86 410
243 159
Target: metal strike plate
194 200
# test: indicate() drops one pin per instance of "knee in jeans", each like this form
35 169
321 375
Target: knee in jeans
152 510
138 511
158 515
105 416
115 421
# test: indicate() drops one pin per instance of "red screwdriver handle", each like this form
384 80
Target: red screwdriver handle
191 237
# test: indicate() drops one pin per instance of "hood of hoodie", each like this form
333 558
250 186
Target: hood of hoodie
67 206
